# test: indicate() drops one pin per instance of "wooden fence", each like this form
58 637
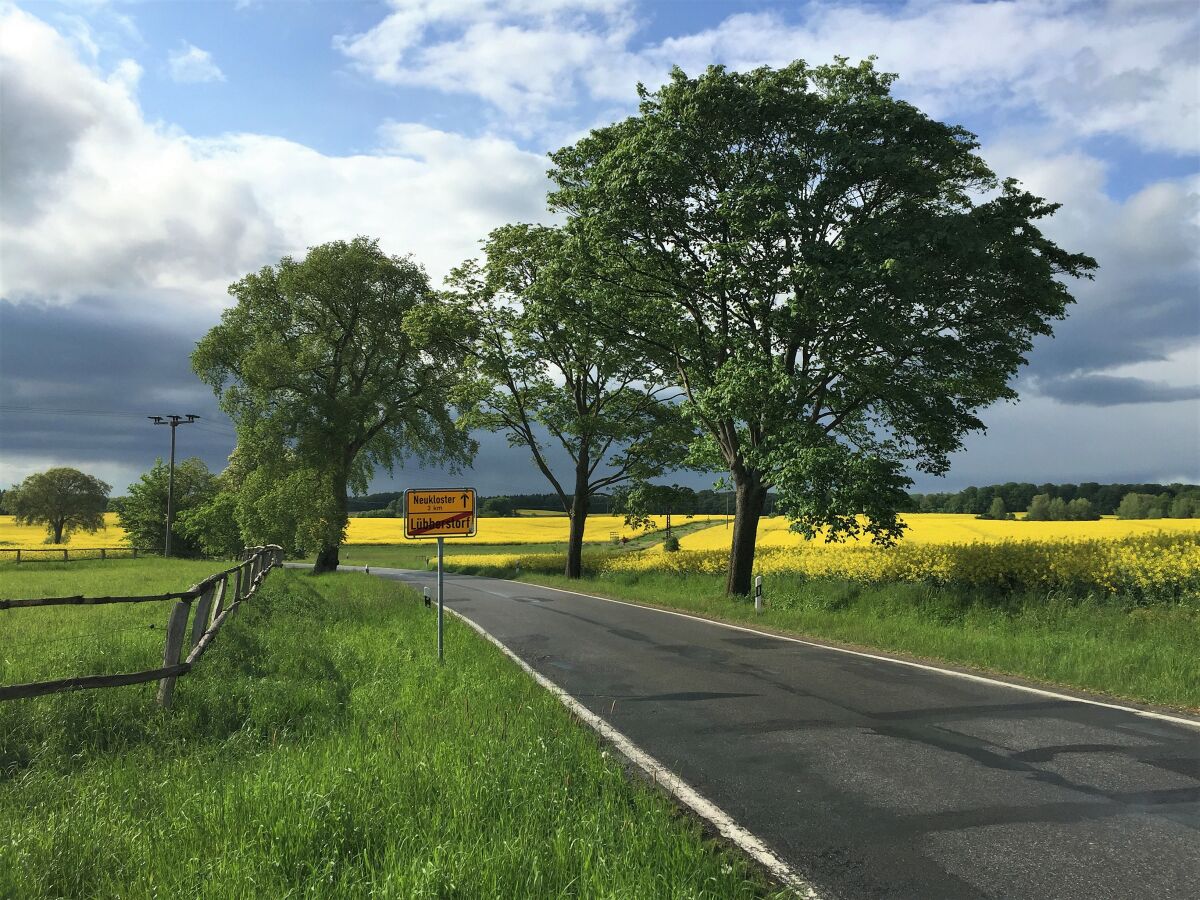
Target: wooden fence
68 554
213 605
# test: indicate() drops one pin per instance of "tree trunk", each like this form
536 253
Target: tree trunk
327 558
579 512
751 495
58 530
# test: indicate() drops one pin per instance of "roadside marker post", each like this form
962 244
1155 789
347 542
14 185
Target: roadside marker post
439 513
426 591
758 598
441 544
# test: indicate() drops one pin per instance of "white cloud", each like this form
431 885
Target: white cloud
1119 68
432 193
98 202
522 56
191 65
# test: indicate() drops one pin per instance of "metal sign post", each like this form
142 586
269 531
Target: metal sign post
439 513
441 544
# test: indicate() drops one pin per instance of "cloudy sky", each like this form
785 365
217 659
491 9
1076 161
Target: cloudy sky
151 153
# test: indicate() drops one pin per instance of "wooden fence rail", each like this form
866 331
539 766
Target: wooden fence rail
213 607
28 554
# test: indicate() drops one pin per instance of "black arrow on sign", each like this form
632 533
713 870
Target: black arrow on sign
465 498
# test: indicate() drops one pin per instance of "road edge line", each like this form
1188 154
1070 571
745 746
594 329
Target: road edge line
672 783
1145 713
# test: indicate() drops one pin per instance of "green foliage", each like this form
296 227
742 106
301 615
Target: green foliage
1039 509
1186 505
213 526
997 510
1081 510
543 375
642 501
498 507
332 366
671 544
1148 506
1044 508
809 257
144 514
1017 496
62 499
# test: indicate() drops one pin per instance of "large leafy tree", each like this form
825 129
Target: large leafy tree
555 385
62 499
330 366
143 515
838 280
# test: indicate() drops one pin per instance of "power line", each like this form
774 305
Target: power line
70 412
208 425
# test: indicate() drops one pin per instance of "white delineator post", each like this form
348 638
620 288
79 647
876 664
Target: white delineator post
758 597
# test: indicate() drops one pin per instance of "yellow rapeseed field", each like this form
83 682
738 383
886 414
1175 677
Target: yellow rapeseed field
532 530
30 537
948 528
1153 559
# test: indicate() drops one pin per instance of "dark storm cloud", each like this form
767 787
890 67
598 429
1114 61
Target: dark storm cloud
1120 321
1111 390
101 374
77 383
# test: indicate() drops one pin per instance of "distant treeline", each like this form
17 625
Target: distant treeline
1129 501
705 502
1155 500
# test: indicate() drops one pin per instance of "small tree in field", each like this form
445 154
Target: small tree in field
144 514
997 510
1081 510
63 499
814 264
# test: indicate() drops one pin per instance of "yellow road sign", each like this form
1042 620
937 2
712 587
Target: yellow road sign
441 512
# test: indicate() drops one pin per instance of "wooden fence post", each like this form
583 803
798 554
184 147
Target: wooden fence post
103 555
135 552
219 603
175 627
203 608
18 557
65 555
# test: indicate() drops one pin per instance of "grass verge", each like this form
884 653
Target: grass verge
320 751
1145 653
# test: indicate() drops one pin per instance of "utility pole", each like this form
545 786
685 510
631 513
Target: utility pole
174 422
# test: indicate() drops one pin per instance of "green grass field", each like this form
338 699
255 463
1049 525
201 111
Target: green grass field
319 750
46 643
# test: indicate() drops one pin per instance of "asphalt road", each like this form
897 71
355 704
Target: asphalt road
871 778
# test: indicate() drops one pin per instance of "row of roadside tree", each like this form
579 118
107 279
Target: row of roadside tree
785 276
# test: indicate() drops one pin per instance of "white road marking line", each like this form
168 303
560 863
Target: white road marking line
1145 713
678 788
